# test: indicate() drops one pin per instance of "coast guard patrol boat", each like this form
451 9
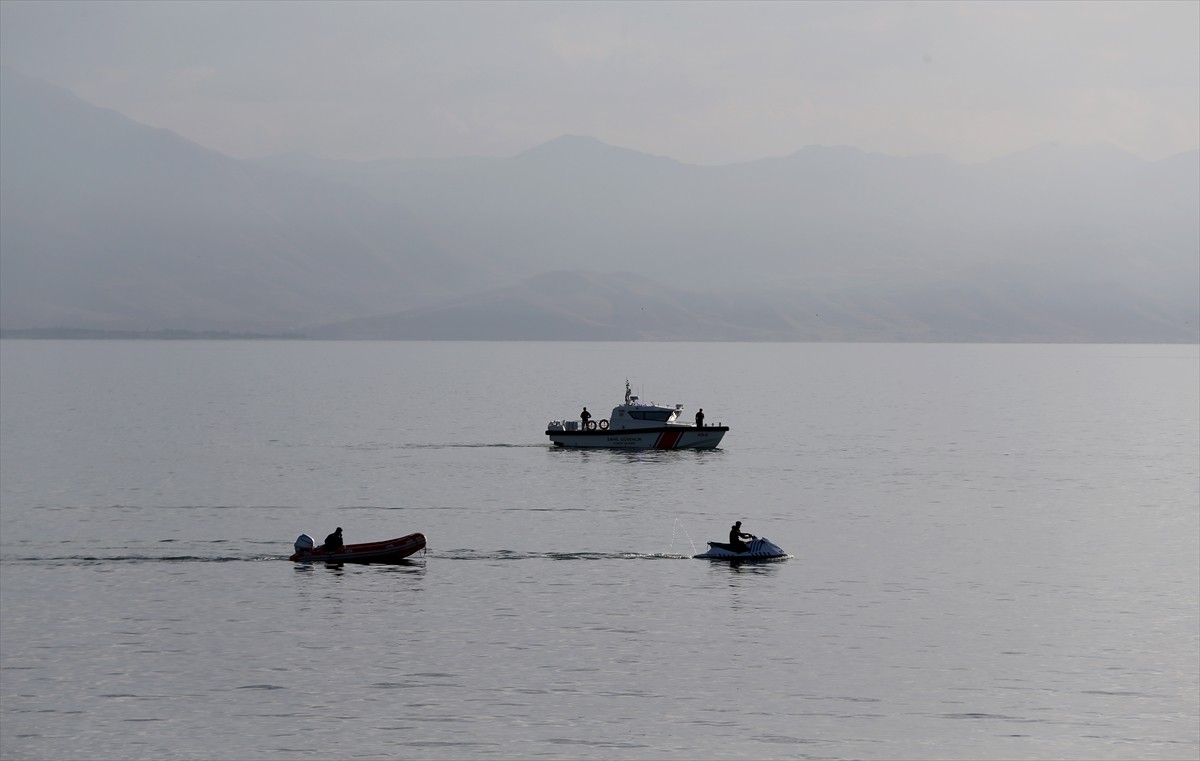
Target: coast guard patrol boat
636 425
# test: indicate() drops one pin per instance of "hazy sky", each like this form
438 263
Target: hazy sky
702 82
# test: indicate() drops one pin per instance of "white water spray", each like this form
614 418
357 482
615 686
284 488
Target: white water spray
685 533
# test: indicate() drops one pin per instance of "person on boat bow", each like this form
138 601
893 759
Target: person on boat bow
585 416
333 542
736 536
700 418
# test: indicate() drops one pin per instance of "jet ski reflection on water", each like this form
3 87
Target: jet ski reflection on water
759 548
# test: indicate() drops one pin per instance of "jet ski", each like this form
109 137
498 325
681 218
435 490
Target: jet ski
760 548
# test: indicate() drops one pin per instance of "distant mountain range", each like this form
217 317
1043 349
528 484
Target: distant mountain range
106 224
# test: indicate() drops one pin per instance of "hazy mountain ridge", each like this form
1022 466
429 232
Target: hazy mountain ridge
106 223
816 212
566 306
885 249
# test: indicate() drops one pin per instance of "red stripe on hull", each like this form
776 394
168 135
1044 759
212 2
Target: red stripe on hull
668 440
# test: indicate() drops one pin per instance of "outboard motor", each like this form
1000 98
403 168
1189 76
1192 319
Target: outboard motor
304 543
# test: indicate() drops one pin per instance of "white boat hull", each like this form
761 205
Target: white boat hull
667 437
760 548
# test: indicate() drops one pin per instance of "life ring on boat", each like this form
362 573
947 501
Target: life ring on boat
591 425
604 425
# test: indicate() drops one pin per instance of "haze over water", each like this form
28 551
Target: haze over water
995 552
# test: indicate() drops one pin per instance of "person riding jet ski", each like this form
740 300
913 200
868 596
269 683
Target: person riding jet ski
736 536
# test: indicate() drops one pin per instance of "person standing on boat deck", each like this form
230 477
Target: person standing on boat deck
585 416
333 542
700 418
736 536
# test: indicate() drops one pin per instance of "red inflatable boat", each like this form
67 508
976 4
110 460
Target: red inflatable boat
389 551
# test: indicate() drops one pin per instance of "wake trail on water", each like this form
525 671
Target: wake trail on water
516 555
452 555
85 560
477 445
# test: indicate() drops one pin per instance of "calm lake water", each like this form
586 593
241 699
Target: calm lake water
996 553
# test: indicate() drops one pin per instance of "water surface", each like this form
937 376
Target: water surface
995 553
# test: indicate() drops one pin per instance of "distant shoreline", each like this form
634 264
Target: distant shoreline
154 335
76 334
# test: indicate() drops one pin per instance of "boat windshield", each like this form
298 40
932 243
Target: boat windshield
660 416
